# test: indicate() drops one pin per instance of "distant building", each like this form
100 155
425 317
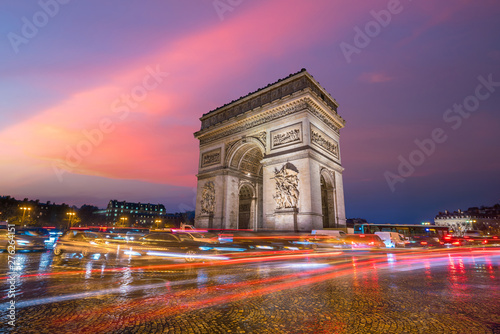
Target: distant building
483 219
355 221
140 214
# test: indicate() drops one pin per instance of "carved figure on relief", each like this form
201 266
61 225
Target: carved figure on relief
208 198
287 137
323 142
287 186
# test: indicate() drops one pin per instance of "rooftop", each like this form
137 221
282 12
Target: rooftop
274 91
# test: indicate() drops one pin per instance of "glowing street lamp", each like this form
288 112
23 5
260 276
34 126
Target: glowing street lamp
24 208
158 222
71 215
123 220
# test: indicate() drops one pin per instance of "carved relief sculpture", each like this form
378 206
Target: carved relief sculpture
208 198
325 142
262 137
287 186
285 136
211 158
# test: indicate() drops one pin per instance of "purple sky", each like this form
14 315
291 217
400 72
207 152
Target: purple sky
67 68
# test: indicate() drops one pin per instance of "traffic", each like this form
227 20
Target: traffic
191 245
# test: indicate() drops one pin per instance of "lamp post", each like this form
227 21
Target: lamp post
158 222
24 208
70 219
123 220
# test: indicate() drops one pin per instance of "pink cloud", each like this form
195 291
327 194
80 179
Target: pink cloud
375 77
154 142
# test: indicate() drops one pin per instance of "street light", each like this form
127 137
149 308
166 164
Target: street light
70 218
158 222
123 219
24 208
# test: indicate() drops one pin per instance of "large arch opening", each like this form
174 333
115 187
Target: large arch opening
246 198
245 158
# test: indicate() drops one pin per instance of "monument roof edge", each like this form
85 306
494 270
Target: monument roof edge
302 72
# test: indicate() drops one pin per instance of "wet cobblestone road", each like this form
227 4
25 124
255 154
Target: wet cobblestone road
444 291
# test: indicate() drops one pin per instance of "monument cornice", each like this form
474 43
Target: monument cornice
303 102
275 91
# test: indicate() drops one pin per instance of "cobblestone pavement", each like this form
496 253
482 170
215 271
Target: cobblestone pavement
445 291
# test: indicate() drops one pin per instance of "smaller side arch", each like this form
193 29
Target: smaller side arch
328 198
249 185
329 176
246 206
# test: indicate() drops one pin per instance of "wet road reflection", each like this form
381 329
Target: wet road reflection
145 291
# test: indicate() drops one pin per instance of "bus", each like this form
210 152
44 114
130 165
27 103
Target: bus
407 230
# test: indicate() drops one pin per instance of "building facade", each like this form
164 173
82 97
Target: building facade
483 219
271 160
135 214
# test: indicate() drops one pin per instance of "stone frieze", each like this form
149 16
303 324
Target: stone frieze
319 138
286 136
210 158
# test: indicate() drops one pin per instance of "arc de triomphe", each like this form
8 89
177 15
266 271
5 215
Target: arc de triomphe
271 160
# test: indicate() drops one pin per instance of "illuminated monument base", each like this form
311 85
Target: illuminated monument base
271 160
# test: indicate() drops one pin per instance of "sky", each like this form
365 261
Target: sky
100 99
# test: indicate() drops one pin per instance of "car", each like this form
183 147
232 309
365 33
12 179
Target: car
424 241
493 240
124 234
364 241
170 245
324 241
392 239
256 241
467 240
195 236
335 233
24 240
84 243
187 227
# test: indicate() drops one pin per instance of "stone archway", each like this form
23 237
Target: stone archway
245 160
246 207
253 141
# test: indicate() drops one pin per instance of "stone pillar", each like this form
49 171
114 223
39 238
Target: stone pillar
269 205
339 200
231 197
286 219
